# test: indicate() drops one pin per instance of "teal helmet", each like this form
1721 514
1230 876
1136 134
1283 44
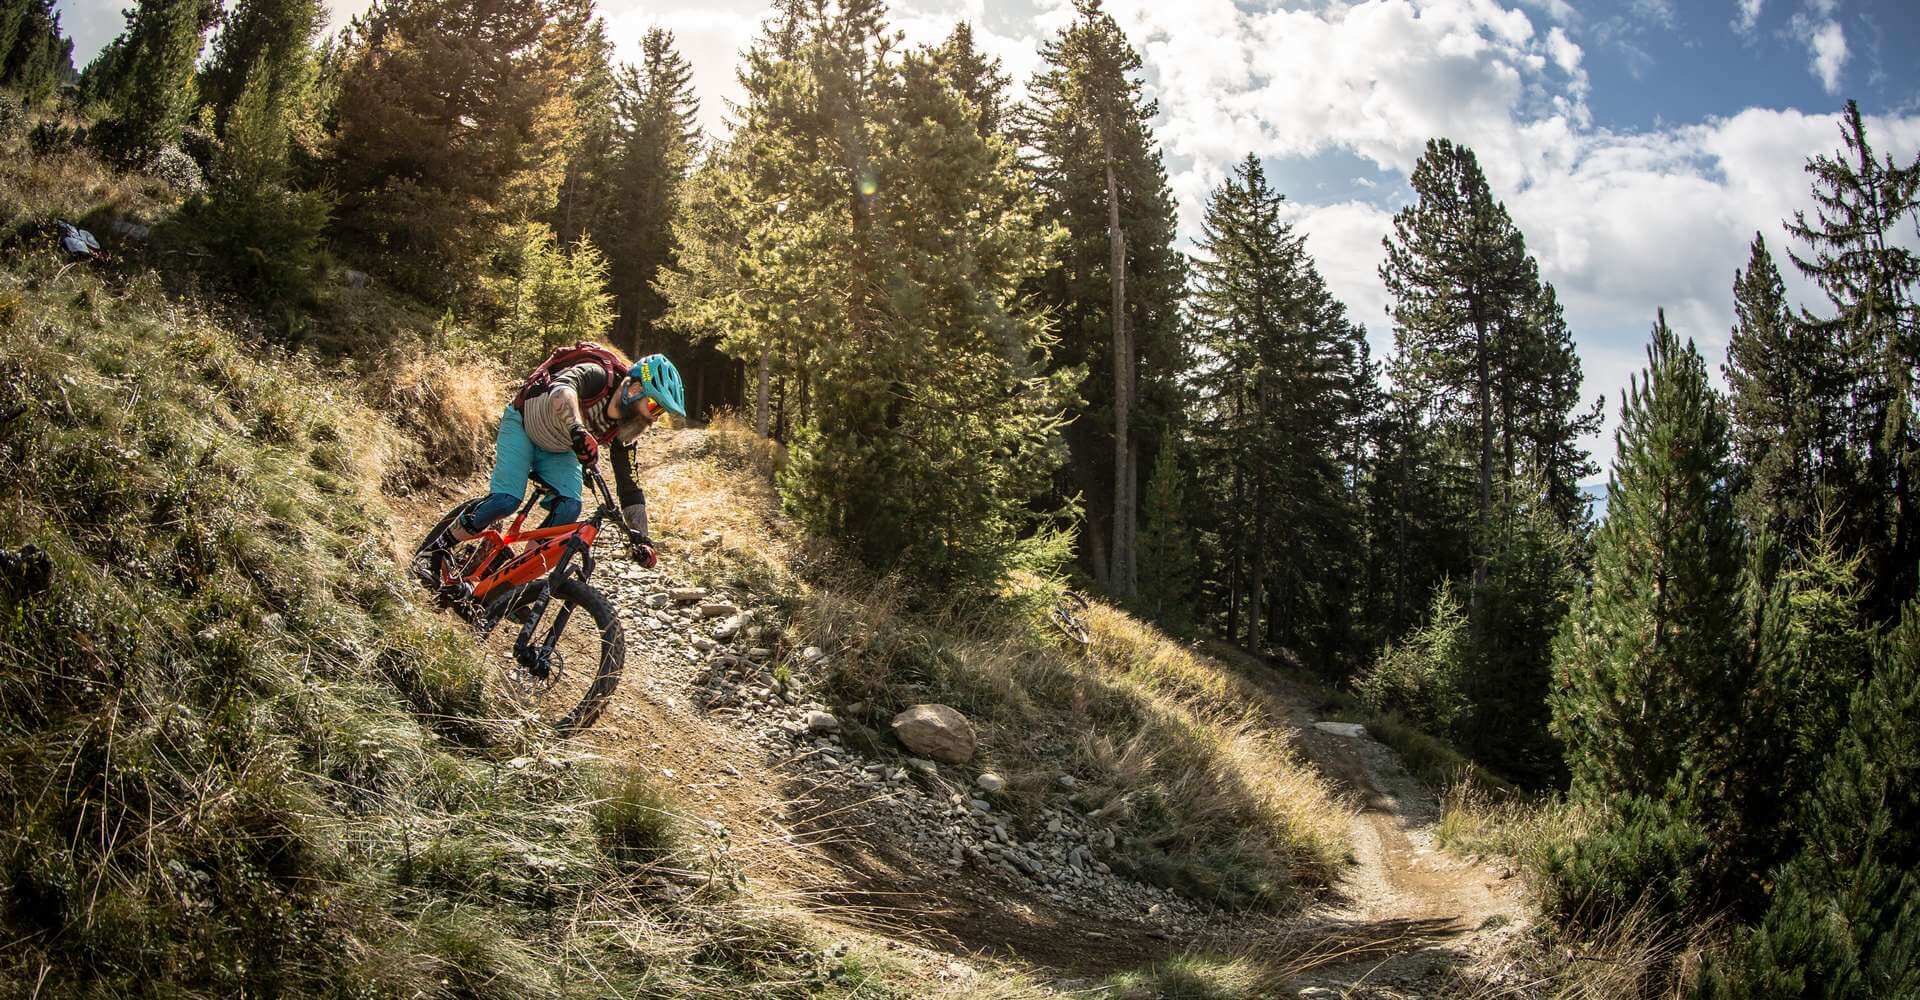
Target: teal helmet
654 377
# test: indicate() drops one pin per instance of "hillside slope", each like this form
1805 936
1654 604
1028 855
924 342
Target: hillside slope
1056 876
238 756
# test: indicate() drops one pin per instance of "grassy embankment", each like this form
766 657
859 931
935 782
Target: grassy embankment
235 758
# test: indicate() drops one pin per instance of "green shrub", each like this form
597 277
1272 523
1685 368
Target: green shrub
13 120
1421 678
1644 854
50 137
263 234
177 170
544 295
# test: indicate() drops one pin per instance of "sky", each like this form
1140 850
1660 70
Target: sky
1639 144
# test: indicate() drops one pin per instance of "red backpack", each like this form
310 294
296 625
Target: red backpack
541 379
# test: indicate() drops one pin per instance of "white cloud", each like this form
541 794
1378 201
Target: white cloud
1566 55
1746 15
1658 12
1828 45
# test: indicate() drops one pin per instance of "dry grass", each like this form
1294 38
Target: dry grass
1636 953
1176 748
1632 954
1201 978
73 185
451 410
222 746
1477 821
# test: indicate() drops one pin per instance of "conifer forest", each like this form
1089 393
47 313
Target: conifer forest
982 366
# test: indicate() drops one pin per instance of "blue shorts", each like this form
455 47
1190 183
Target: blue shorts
515 457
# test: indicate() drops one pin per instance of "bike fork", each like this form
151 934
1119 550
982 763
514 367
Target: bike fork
537 659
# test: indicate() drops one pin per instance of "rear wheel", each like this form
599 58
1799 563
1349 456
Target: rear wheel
573 658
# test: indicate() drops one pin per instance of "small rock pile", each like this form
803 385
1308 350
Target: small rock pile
729 664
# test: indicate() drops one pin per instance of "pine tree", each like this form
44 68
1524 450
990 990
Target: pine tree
860 229
776 141
1851 249
541 295
587 198
1461 283
1647 665
1845 914
1271 400
1117 285
431 177
1530 582
1786 412
1541 419
1418 510
977 76
655 157
1813 650
147 77
35 56
262 231
274 37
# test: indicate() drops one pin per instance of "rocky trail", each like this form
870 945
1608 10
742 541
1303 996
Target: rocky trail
917 849
917 855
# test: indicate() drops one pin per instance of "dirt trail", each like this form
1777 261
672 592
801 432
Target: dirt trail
1407 909
800 835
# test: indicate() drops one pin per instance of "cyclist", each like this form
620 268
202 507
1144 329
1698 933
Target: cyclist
581 399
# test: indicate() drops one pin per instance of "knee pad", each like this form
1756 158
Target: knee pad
562 511
493 508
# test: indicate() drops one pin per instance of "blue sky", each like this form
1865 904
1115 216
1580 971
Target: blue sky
1638 143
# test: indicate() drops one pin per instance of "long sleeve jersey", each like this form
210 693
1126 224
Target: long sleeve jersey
551 417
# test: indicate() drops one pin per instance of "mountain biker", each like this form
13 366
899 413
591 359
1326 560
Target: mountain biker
556 424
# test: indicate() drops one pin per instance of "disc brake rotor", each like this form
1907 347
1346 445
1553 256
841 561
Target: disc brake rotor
525 684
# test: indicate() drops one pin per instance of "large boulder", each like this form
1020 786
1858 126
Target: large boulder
936 731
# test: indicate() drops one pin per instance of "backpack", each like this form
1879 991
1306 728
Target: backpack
541 378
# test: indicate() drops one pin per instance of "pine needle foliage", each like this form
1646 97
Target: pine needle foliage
430 180
146 77
269 37
1169 559
1646 685
1115 286
264 233
36 57
541 295
1853 247
1272 399
861 228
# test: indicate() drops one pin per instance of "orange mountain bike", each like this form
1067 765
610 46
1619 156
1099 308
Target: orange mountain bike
536 579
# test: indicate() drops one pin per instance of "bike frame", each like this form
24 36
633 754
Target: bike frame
549 551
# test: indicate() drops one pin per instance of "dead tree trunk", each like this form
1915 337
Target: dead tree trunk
1122 571
762 384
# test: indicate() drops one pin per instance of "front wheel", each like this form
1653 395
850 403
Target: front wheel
571 662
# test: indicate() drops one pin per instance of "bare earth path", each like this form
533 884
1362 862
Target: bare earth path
1422 909
799 820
